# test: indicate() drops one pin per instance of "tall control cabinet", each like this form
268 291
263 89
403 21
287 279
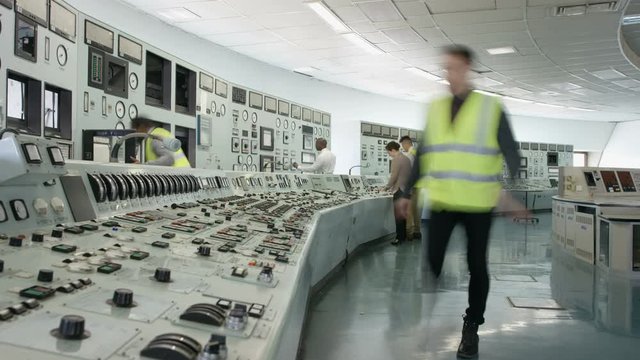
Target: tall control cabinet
373 139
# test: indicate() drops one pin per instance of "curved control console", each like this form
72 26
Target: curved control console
126 262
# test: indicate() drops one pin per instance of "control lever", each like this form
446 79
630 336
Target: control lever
172 347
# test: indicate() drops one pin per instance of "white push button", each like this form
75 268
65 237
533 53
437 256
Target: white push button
41 206
58 205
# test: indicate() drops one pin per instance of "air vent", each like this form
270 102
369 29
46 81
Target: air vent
576 10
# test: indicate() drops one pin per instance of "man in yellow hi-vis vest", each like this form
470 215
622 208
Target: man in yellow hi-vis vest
460 165
155 151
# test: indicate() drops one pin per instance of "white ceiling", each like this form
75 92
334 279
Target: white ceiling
566 61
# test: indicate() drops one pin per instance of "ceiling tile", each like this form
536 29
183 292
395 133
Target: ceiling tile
244 38
335 41
454 6
349 14
276 21
434 36
478 17
380 11
403 36
212 9
219 26
413 8
376 37
304 32
362 26
252 7
420 21
382 25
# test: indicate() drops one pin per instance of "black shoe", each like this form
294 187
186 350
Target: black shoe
395 242
468 348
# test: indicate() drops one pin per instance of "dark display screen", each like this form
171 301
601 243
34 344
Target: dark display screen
610 181
591 181
626 181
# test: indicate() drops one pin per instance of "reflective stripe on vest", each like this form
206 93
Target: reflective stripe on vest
461 162
179 158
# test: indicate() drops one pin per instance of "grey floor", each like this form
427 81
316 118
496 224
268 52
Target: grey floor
382 306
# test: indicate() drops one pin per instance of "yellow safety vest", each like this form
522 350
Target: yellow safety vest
179 158
461 162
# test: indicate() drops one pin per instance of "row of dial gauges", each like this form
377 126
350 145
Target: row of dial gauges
121 110
113 187
285 124
223 110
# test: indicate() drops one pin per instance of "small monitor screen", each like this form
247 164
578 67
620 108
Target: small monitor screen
255 100
376 130
55 154
522 174
326 120
130 50
543 147
206 82
308 158
26 38
221 88
394 132
534 146
32 153
626 181
553 147
413 134
552 159
266 139
610 181
34 9
561 148
283 108
568 148
524 146
270 104
97 36
238 95
306 114
155 70
386 131
63 21
116 77
296 111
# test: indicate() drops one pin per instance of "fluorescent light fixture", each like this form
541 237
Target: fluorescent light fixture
631 19
608 74
305 69
328 16
580 109
509 98
443 82
551 105
363 44
422 73
488 82
178 14
571 10
501 50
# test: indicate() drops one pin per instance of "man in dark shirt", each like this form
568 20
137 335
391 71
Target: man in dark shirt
465 177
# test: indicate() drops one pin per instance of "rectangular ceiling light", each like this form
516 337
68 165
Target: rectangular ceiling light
631 19
501 50
571 10
422 73
328 16
608 74
178 14
602 7
509 98
579 109
363 44
486 92
551 105
485 81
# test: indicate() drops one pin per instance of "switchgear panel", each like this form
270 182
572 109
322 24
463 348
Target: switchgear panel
374 159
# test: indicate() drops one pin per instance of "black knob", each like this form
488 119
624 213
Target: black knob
71 327
228 218
162 275
204 250
212 348
45 275
203 209
15 241
37 237
207 214
122 298
57 233
1 265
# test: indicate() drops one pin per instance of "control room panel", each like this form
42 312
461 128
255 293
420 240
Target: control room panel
70 74
593 183
374 159
539 166
117 261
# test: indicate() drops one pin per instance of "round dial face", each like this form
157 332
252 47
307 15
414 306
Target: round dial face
133 112
245 167
278 122
286 123
61 55
133 81
315 131
293 125
254 117
120 109
245 115
213 107
249 159
240 159
20 210
326 132
223 110
254 167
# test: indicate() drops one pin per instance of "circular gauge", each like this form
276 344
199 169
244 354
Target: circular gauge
286 123
20 209
133 111
326 132
120 125
254 117
278 122
293 125
245 167
133 81
315 131
61 55
245 115
249 159
213 107
223 110
240 159
120 109
254 168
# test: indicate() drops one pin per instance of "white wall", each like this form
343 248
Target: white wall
347 106
623 149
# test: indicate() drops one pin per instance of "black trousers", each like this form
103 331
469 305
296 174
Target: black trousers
401 224
477 227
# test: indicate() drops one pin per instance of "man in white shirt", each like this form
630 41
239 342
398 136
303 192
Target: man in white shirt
325 162
408 149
